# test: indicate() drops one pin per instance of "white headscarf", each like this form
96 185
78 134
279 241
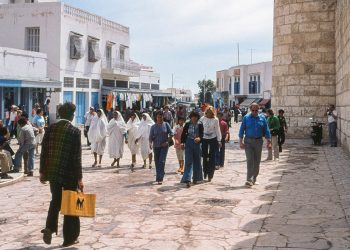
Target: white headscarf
119 121
98 128
145 125
133 124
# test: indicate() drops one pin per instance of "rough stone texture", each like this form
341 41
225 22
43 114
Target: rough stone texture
304 61
302 202
343 70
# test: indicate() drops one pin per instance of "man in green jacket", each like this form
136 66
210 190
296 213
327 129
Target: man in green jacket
274 126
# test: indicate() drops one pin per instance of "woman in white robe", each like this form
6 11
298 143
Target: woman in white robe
117 132
132 127
98 133
143 139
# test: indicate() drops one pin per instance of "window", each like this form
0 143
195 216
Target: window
82 83
121 84
122 53
27 1
33 39
155 86
76 49
145 85
95 84
68 82
109 56
108 83
237 85
254 84
94 50
134 85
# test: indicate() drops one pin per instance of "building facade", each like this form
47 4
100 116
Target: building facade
181 95
87 53
245 84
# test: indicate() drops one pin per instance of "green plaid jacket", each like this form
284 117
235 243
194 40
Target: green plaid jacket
60 159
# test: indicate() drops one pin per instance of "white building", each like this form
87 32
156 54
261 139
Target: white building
86 52
246 83
182 95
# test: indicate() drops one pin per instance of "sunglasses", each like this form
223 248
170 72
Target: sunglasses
254 110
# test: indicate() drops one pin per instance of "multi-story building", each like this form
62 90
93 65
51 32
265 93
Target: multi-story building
181 95
246 83
85 52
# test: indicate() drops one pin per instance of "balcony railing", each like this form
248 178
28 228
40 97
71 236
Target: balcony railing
119 67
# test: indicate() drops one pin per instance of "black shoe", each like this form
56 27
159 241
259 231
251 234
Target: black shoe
13 171
47 235
280 149
68 244
205 176
188 184
5 176
30 174
209 179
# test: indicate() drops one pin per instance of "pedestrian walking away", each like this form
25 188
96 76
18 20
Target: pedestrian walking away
88 118
332 117
191 139
60 165
211 140
283 129
117 132
132 127
253 128
97 136
274 126
159 137
143 139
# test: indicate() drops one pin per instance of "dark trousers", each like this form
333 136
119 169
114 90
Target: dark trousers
160 155
71 224
332 129
253 149
220 154
281 138
86 130
209 147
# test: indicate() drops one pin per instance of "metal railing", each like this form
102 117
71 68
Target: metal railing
129 67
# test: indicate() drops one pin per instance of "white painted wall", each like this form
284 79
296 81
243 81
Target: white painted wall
22 64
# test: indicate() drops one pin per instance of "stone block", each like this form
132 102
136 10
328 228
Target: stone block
308 27
290 19
292 101
325 68
295 90
311 90
312 57
327 26
327 90
285 29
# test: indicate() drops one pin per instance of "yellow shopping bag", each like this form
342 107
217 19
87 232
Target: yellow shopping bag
78 204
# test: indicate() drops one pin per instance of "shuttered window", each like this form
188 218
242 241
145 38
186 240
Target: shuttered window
33 39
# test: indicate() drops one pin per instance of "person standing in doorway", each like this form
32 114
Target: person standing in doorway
283 129
211 141
39 123
60 165
97 136
253 128
274 126
88 118
159 137
332 116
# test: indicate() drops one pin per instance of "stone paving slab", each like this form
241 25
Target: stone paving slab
301 203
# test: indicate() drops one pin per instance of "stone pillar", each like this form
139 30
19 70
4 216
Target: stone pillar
303 69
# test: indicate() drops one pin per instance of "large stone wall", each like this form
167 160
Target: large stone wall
343 70
304 61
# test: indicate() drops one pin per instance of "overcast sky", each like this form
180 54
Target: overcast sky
191 38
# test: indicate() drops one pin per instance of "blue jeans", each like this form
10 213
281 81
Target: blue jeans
209 147
192 162
160 155
253 149
332 129
19 154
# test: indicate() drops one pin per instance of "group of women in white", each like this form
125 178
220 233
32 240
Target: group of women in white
134 133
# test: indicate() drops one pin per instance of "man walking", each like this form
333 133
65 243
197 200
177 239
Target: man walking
88 118
283 129
60 164
253 128
332 116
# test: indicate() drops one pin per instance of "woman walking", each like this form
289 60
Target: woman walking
143 139
97 136
159 140
132 127
178 148
191 139
211 140
116 130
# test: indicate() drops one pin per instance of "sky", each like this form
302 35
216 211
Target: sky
191 39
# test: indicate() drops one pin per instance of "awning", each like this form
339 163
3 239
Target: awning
264 102
247 102
30 83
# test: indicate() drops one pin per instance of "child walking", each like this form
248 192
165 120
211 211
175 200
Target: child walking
179 149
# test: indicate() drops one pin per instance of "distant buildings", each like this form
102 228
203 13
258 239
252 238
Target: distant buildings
245 84
88 54
182 95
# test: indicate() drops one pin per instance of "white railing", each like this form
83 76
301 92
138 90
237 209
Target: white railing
129 67
89 17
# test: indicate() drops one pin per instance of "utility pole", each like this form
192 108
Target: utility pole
204 91
172 84
238 52
251 56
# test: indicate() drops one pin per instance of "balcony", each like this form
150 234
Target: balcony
120 68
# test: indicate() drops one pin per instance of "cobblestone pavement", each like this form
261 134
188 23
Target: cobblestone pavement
302 202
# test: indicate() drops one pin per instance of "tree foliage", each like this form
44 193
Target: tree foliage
209 87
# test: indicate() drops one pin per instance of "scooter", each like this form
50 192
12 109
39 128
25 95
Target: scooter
316 133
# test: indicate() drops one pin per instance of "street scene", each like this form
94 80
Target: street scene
174 124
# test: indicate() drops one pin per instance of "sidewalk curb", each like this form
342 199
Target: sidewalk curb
12 181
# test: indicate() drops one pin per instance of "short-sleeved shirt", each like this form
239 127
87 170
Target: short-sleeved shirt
39 121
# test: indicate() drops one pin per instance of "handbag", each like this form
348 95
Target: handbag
78 204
